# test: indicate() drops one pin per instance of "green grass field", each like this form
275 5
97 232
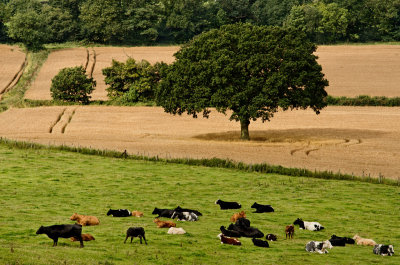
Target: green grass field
45 187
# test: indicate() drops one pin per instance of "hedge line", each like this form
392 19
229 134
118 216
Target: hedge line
364 100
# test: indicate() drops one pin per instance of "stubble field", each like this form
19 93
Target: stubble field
12 61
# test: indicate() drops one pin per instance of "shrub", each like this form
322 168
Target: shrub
72 85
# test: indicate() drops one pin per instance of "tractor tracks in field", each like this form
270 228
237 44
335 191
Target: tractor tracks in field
312 147
15 78
63 119
90 64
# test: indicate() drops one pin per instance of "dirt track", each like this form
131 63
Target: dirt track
351 140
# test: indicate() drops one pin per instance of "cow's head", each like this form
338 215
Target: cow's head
254 205
156 211
40 230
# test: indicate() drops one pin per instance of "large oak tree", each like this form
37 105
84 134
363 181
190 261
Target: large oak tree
251 70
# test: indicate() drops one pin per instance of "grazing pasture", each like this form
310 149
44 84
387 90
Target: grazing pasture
11 63
358 140
39 187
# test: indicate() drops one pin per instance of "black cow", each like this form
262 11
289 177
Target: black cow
260 243
181 210
262 208
271 237
119 213
64 231
242 226
163 212
230 233
338 242
135 232
228 205
337 239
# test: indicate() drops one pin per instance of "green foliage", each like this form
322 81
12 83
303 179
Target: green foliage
132 81
364 100
252 71
60 24
272 12
72 85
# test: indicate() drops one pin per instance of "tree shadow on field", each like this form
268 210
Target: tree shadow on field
295 135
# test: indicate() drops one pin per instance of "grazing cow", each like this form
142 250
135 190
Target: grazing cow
340 241
312 226
85 219
242 226
119 213
228 205
229 233
229 240
164 224
85 237
320 247
262 208
163 212
176 231
64 231
384 250
179 209
260 243
271 237
364 241
135 232
137 213
289 231
236 216
185 216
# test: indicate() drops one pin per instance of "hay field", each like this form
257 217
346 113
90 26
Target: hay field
11 62
359 140
371 70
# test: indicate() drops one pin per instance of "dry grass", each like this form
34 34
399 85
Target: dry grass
11 60
359 140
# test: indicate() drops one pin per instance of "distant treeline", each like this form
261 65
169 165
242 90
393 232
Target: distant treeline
145 22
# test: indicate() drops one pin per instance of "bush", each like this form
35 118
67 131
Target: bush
72 85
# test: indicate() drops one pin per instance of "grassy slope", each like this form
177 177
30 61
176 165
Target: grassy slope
42 187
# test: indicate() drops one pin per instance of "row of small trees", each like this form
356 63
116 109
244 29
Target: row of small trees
252 71
35 22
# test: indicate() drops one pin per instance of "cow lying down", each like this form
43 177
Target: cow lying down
312 226
320 247
384 250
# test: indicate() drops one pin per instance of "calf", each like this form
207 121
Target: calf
236 216
320 247
64 231
176 231
229 233
364 241
85 237
119 213
271 237
260 243
185 216
135 232
179 209
229 240
384 250
228 205
164 224
262 208
289 231
312 226
137 213
163 212
85 219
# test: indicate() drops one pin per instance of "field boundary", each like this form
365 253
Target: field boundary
213 162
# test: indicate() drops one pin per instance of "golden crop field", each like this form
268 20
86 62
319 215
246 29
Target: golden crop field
12 60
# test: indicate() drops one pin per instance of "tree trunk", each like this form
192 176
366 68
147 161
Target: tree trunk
244 130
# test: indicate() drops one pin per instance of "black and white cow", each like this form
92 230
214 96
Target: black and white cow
320 247
312 226
384 250
271 237
119 213
260 208
228 205
185 216
64 231
181 210
163 212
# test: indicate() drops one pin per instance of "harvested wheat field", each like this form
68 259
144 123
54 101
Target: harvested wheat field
12 61
359 140
371 70
57 60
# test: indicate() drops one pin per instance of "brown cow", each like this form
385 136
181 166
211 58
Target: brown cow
85 219
137 213
85 237
236 216
289 231
164 224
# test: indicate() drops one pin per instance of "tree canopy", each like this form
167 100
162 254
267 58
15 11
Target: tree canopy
252 71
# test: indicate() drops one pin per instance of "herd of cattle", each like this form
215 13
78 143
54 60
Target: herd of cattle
240 227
